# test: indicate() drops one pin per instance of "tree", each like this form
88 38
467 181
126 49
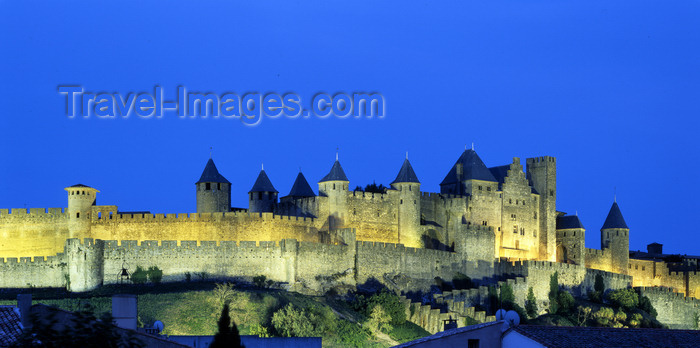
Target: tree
566 302
228 335
259 281
531 304
582 315
624 298
554 293
292 322
140 276
599 285
379 320
604 316
507 296
155 274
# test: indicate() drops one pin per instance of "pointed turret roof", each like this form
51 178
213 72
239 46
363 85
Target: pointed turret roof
473 168
211 174
336 174
262 184
568 221
406 174
614 219
301 187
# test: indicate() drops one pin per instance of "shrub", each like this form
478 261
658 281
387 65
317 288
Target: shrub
259 281
293 322
259 330
636 320
624 298
155 274
531 304
595 296
390 302
566 302
604 316
140 276
379 320
408 331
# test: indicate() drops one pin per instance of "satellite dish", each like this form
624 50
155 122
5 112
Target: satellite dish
500 314
158 325
512 318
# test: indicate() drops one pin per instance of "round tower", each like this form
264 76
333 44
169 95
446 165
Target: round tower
213 191
614 236
262 198
85 264
407 184
81 199
335 186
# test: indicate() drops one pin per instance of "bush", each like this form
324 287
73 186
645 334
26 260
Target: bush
294 322
595 296
259 281
390 303
155 274
531 304
624 298
604 316
566 302
259 330
140 276
379 320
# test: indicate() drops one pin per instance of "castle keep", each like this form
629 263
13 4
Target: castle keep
489 223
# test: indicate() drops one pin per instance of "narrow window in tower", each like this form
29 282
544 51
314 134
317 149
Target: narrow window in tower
574 233
515 228
535 215
77 215
259 195
551 193
510 201
479 187
485 223
334 186
643 268
401 202
564 234
415 202
218 186
409 187
207 186
636 267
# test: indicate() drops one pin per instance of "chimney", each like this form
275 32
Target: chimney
124 311
655 248
24 304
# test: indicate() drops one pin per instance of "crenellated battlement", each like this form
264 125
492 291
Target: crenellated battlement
541 159
370 195
196 217
14 214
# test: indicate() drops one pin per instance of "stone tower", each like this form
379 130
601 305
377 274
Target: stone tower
614 236
213 191
469 177
263 196
407 184
571 238
335 186
542 173
85 264
81 199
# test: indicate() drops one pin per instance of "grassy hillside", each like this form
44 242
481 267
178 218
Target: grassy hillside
194 308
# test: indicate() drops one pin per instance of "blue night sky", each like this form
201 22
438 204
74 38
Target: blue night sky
610 88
